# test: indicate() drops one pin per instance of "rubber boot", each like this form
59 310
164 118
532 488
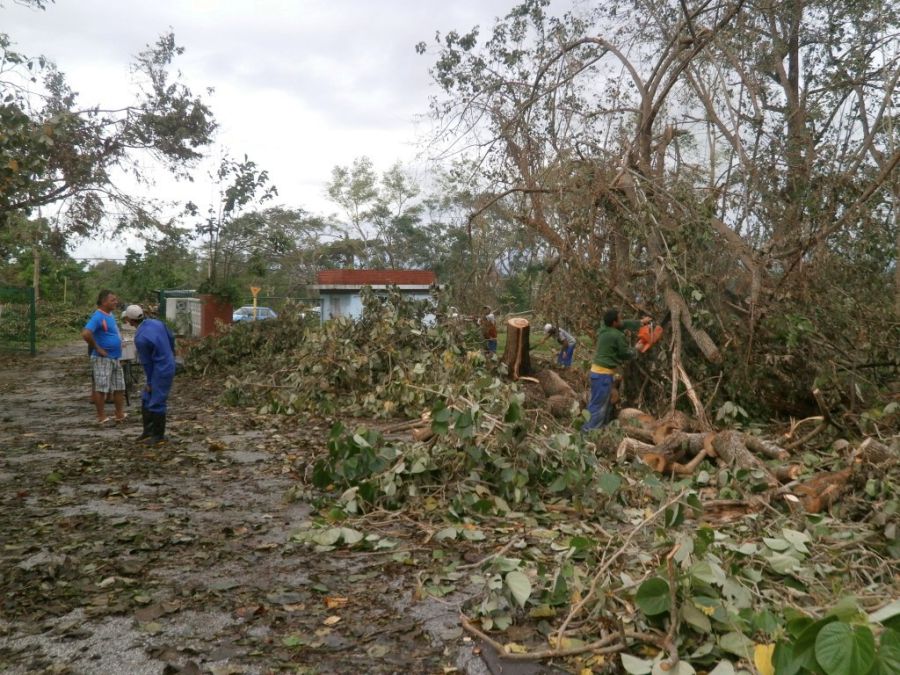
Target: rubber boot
157 429
146 419
161 428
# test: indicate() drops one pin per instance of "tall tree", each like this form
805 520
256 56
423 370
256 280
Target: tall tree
241 184
56 151
659 147
355 189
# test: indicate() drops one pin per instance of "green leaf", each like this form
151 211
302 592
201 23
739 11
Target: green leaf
473 535
351 536
791 659
846 609
360 441
737 644
708 572
695 617
513 413
653 596
783 659
796 539
681 668
465 425
674 515
559 484
724 668
635 666
519 585
842 649
327 537
776 544
888 660
609 483
783 564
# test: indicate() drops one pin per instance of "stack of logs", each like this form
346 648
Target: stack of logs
674 445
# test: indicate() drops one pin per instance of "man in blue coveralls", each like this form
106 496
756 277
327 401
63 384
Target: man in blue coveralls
155 346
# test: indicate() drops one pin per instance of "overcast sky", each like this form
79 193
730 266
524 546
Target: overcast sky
300 85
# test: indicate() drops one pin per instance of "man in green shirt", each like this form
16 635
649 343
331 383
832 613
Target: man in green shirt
612 351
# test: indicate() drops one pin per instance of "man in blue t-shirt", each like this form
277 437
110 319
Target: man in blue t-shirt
155 346
102 335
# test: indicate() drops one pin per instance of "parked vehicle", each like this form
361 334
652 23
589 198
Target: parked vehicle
246 314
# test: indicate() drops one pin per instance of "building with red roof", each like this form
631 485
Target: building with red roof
339 290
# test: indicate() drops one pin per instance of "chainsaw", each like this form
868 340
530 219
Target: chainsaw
651 333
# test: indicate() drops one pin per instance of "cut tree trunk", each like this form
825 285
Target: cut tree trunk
822 490
560 406
766 448
731 449
871 451
516 355
788 473
553 384
667 456
560 396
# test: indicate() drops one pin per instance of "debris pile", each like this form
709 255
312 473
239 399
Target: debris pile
655 545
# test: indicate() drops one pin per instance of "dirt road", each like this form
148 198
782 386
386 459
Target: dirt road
115 558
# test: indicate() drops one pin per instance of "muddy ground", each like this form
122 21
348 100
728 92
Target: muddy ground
115 558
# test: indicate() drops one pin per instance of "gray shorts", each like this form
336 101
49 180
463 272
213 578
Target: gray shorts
108 374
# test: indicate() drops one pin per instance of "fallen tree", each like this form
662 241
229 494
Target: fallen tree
661 445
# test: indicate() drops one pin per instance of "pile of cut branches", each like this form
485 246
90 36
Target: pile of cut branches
689 549
395 360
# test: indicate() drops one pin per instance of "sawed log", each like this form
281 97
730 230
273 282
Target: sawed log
553 385
732 449
822 490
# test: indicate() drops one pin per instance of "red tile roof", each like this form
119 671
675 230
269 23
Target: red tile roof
377 277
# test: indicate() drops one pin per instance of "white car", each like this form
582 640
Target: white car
246 314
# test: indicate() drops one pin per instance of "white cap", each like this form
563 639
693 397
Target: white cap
134 312
548 327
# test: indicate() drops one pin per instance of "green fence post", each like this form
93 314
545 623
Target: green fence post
32 322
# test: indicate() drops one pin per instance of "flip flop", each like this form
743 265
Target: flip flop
103 422
121 419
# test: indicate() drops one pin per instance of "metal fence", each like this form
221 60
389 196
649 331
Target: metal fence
18 313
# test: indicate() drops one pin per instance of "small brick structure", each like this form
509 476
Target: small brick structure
214 309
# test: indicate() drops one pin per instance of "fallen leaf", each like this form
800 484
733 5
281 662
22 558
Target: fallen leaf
762 658
335 602
331 620
515 648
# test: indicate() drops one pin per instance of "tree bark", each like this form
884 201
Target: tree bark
766 448
553 384
731 448
516 355
822 490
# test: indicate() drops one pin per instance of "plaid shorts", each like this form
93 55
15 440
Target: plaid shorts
108 375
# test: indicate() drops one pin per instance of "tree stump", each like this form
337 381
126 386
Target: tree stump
516 355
